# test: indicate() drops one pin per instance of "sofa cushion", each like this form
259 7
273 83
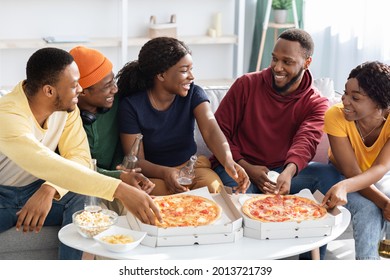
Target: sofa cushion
29 246
215 95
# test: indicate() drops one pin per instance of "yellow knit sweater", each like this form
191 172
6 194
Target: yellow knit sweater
27 151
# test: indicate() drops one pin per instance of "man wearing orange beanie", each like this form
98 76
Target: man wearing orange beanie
98 108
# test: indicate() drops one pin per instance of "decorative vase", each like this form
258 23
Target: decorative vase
280 16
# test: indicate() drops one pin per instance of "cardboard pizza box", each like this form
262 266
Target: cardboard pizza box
187 239
226 229
284 233
278 230
195 239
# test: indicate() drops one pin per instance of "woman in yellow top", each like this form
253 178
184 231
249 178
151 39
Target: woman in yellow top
359 132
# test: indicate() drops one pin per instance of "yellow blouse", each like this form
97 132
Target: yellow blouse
337 125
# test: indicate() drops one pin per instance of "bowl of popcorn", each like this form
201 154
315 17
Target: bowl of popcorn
119 239
91 223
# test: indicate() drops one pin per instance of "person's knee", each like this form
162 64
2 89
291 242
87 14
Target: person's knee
368 215
362 207
323 175
202 162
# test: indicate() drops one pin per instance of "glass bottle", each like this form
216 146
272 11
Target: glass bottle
187 172
91 203
130 161
384 244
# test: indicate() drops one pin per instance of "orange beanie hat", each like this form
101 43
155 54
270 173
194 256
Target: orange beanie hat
93 65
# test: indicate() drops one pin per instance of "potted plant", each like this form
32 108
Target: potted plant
280 8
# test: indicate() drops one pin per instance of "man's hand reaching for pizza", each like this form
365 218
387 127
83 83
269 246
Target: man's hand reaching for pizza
139 203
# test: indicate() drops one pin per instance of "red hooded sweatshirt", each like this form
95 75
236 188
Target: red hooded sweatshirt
266 128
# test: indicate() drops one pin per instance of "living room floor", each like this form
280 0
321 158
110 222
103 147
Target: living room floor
343 247
341 250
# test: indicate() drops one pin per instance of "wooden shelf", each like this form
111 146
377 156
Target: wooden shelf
281 25
111 42
190 40
206 40
40 43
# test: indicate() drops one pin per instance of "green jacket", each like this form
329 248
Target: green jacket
104 142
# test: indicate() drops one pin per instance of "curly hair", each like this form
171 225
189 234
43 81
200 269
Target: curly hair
300 36
155 57
374 78
44 68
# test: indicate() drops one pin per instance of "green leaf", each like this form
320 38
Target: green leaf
281 4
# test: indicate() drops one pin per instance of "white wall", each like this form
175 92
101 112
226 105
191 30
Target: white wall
26 19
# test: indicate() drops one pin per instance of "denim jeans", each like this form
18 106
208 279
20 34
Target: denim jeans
316 176
367 222
12 199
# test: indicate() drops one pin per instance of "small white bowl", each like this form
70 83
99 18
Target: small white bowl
137 237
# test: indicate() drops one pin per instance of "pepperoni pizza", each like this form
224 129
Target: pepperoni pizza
282 208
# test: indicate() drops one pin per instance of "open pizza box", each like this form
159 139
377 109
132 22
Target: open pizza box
228 228
279 230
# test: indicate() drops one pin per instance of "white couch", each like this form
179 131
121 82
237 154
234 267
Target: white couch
29 246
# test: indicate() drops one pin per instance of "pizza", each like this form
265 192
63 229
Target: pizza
183 210
282 208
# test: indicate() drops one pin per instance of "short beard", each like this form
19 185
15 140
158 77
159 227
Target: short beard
59 106
286 87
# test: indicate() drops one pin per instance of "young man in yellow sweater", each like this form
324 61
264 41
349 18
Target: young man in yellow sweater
44 152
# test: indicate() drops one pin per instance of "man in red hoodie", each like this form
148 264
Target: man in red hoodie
273 120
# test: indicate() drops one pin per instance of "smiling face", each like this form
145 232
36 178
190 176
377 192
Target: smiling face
178 78
99 95
288 65
67 89
357 104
